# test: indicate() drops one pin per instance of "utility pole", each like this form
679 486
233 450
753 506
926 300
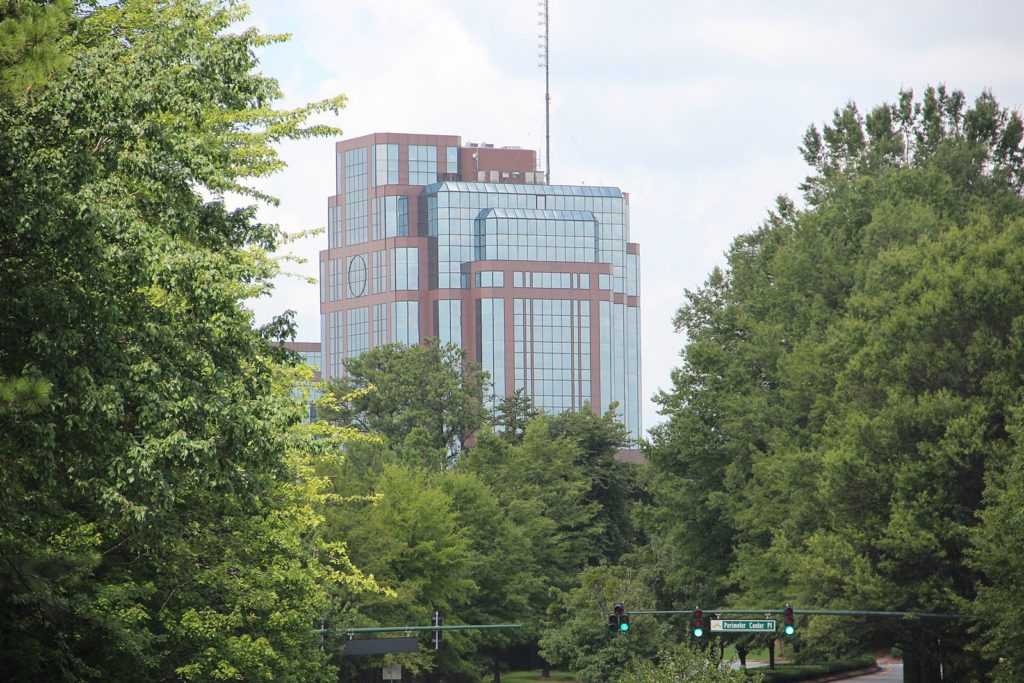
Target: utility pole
544 56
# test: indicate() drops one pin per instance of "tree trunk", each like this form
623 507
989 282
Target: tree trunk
496 669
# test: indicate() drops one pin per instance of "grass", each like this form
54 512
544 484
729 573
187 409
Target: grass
534 675
804 672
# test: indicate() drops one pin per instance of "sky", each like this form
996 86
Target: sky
696 109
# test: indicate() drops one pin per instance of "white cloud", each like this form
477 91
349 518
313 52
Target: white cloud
696 109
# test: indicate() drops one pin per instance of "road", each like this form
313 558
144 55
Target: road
890 673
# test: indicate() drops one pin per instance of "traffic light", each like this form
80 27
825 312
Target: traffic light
622 617
698 623
613 625
788 623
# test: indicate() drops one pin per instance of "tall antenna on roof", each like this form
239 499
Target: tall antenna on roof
542 12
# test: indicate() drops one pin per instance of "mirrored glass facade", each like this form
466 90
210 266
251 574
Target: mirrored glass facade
358 324
491 344
391 217
422 164
539 283
385 164
406 323
448 315
552 352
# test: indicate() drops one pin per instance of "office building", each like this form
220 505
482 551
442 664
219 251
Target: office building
540 284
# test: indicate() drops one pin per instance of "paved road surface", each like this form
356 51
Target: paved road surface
890 673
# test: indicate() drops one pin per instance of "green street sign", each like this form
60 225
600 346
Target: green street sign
742 625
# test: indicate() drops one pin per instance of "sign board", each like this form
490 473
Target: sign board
392 672
365 647
742 626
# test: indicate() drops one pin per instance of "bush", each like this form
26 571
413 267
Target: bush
806 672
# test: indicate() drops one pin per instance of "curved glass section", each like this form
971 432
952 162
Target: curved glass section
536 235
356 276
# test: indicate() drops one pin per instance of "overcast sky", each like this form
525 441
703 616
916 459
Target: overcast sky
695 109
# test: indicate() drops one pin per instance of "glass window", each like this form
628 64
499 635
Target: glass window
452 154
391 217
406 322
358 332
339 173
632 274
422 164
334 234
385 164
380 325
606 354
356 204
490 278
551 352
631 406
379 270
334 344
522 235
584 280
448 318
405 268
491 344
517 278
604 281
334 274
323 281
357 276
311 358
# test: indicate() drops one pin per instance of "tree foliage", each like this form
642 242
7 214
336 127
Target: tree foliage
684 663
849 378
429 393
157 519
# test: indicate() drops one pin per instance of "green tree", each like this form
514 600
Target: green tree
31 36
553 529
848 378
998 606
684 663
513 413
578 637
408 536
598 438
158 463
428 392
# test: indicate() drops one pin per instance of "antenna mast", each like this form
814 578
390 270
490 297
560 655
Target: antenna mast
542 12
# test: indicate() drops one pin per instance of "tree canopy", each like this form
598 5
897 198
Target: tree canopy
850 377
158 518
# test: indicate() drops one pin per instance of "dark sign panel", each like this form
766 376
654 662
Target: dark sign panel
380 646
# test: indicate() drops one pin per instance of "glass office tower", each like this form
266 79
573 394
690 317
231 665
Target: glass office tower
539 283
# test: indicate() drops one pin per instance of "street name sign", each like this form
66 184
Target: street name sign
742 625
364 647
